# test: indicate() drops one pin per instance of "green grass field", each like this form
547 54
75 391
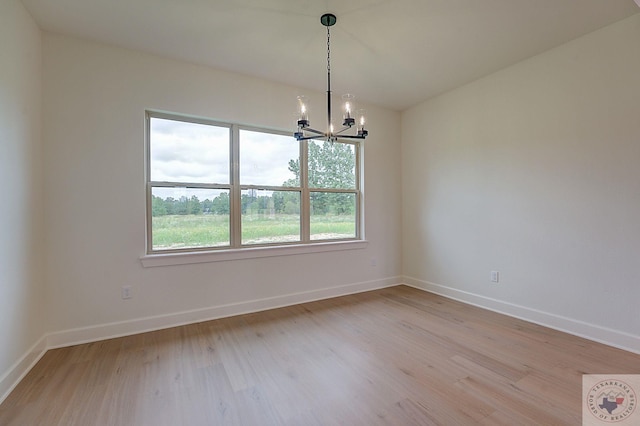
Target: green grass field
196 231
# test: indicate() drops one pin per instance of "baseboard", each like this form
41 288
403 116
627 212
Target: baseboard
17 371
76 336
125 328
607 336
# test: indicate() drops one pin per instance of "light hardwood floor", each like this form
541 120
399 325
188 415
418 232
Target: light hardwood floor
397 356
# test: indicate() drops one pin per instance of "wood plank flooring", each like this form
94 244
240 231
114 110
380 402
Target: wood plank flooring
397 356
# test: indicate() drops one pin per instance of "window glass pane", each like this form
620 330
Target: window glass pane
332 165
189 218
188 152
269 159
332 216
270 216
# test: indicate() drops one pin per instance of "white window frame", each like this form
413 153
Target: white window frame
237 250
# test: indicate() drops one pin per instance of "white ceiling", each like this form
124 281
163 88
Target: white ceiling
394 53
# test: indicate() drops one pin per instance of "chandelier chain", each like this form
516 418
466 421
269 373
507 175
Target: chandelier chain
328 50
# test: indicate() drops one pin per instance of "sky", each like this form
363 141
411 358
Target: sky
199 153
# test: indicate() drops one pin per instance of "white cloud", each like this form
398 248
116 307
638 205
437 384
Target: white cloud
189 152
264 158
198 153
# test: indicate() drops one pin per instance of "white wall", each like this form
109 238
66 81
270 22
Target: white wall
21 232
95 97
531 171
534 171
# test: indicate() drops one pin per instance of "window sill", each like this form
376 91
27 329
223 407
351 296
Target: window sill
168 259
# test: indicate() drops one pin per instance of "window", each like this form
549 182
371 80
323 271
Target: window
214 185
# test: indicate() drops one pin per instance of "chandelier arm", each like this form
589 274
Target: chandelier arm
350 137
317 132
321 137
344 129
328 137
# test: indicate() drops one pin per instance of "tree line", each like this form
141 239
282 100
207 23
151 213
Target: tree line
278 203
331 165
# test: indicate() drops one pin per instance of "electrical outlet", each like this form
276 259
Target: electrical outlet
495 276
374 261
125 292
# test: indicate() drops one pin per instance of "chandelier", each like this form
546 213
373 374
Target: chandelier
350 116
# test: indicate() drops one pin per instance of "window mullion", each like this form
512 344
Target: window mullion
236 199
305 227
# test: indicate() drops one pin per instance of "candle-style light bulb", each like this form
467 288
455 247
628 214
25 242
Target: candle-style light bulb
362 119
303 115
348 102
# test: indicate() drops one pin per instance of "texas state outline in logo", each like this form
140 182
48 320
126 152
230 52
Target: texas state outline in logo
611 400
